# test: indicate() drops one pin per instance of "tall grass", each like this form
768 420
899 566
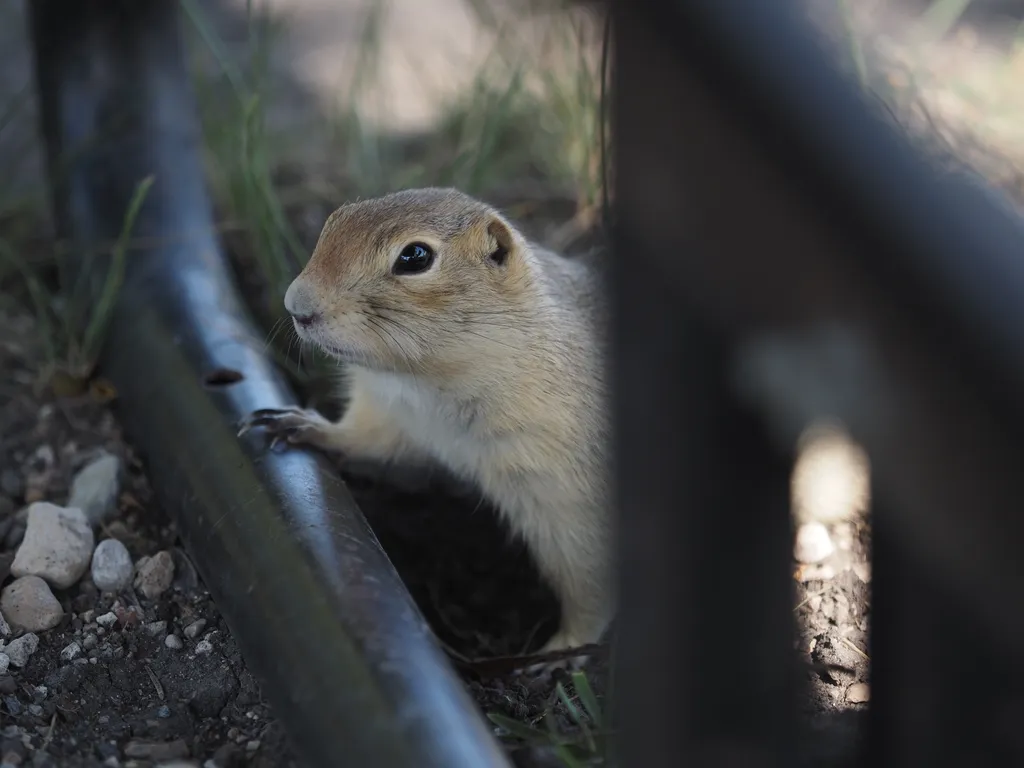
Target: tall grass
573 724
240 153
531 114
74 318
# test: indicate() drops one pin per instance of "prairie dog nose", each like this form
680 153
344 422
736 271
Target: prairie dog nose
300 304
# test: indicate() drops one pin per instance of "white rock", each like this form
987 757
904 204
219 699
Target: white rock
5 663
812 543
96 487
831 478
153 575
71 652
112 567
204 647
108 619
174 642
193 630
156 628
57 546
858 693
19 651
29 604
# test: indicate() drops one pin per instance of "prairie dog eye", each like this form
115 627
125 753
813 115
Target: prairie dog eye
415 257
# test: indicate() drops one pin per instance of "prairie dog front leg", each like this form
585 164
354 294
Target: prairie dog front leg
365 431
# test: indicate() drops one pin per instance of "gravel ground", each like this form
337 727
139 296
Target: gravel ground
140 677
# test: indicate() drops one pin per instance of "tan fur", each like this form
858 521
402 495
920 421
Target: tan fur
494 371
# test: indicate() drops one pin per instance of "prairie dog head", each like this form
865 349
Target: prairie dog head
418 281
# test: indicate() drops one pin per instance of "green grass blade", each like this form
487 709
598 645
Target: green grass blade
205 30
569 760
567 702
587 698
853 41
104 306
576 715
518 729
941 16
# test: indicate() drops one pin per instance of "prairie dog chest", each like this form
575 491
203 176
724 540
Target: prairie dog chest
451 429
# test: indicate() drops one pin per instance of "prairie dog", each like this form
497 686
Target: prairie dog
467 345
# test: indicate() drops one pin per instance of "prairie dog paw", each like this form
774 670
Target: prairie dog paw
292 425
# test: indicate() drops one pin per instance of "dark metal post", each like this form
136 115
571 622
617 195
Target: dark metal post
702 496
760 197
320 614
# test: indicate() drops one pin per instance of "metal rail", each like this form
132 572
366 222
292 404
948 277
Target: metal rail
779 245
321 616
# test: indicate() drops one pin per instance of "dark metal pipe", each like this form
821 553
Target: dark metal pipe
320 614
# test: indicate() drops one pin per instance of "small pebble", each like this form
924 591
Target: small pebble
156 628
95 489
57 546
5 663
204 647
28 603
154 575
174 642
112 567
193 630
71 652
108 619
35 709
812 543
858 693
19 651
90 641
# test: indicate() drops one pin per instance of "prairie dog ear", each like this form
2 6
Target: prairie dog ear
502 241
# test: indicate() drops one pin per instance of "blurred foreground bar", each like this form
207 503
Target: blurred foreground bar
779 245
322 618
